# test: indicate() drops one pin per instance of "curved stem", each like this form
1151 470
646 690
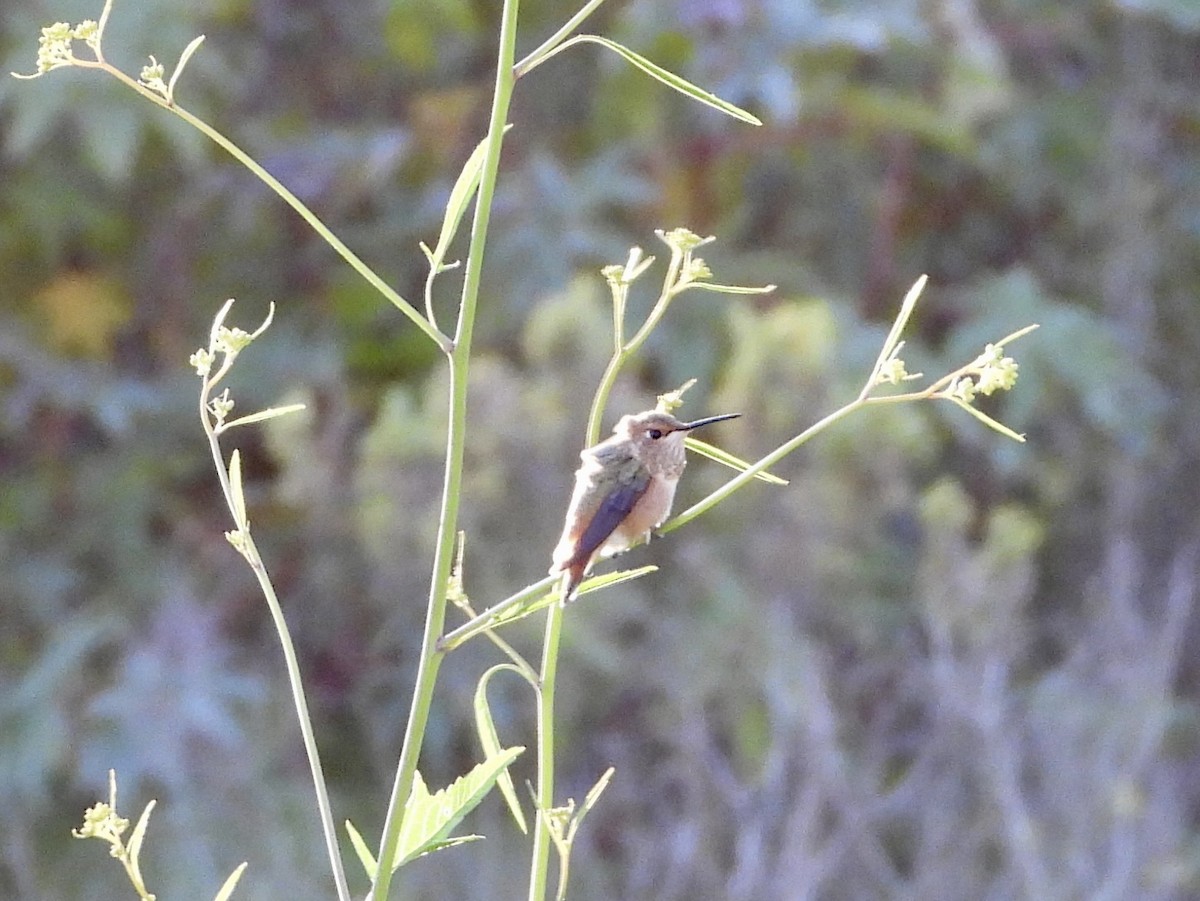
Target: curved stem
287 196
291 661
600 399
292 664
460 356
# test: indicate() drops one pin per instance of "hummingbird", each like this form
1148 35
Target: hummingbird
623 490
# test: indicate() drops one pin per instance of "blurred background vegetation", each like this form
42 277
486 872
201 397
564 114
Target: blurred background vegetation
937 665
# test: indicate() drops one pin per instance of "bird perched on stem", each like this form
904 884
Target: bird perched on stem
623 490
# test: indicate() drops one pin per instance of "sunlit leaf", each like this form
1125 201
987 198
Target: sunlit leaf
428 819
670 79
460 200
727 459
364 853
729 289
261 415
230 883
595 583
486 727
139 834
235 488
183 61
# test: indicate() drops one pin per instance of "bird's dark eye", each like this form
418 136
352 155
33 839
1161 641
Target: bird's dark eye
655 434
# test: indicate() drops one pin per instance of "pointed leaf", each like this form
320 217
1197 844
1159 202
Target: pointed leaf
365 857
262 415
987 420
218 321
594 793
235 488
230 883
515 610
670 79
428 819
725 458
460 199
451 843
906 308
485 725
730 289
139 834
183 61
595 583
266 322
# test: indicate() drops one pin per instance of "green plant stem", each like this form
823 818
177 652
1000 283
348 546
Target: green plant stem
319 227
287 196
770 459
742 478
324 807
600 399
459 358
291 662
542 840
538 56
623 351
483 621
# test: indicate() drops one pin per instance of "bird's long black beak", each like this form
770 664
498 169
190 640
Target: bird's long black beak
688 426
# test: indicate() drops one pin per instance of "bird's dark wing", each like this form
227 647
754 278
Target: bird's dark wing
610 514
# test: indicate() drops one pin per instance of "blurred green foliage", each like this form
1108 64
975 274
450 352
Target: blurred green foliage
938 664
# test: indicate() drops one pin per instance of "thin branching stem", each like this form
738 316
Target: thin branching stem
287 196
291 661
546 48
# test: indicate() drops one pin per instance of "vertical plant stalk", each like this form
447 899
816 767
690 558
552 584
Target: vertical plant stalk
542 839
459 359
291 661
622 350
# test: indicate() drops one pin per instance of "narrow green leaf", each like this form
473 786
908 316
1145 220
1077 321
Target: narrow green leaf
594 793
230 883
893 337
485 725
218 321
261 415
527 601
365 857
451 843
670 79
1019 333
460 199
235 487
183 61
987 420
566 842
729 289
727 459
139 834
266 323
428 819
595 583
